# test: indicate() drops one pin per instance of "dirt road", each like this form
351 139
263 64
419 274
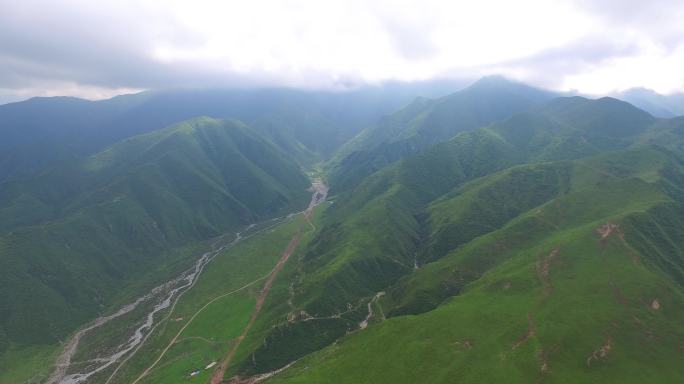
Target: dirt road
175 338
166 295
320 192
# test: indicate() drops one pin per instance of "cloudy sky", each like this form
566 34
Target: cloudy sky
96 49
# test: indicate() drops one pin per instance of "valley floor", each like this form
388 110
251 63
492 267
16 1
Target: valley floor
166 335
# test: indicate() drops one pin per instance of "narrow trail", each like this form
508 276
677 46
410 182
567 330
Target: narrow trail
320 192
530 332
175 338
200 338
150 318
166 295
261 377
217 377
544 270
215 252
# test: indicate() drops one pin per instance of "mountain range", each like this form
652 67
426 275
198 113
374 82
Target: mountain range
657 104
499 233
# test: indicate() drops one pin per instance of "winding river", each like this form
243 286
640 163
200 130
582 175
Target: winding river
166 295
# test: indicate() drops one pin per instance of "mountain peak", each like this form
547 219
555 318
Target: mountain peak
620 105
493 80
498 83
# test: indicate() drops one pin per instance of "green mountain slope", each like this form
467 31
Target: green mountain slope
383 219
426 122
102 223
583 285
494 235
411 215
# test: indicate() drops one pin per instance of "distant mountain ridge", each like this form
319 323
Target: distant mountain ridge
653 102
309 124
501 233
426 122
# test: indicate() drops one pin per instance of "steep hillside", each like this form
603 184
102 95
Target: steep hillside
426 122
96 225
574 276
383 218
668 133
491 235
415 212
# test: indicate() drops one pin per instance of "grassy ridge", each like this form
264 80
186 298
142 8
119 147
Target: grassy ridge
481 334
544 298
382 221
584 194
104 223
421 209
545 247
427 122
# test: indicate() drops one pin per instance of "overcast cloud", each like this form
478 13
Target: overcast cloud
96 49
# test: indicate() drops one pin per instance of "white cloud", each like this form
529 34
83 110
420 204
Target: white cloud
91 48
657 68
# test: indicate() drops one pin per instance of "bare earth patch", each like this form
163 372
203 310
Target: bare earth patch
543 358
544 269
529 333
655 304
606 229
320 192
601 352
618 295
464 345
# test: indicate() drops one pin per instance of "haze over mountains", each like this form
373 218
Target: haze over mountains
653 102
495 233
41 131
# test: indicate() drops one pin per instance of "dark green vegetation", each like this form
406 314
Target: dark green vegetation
99 202
585 286
489 250
498 234
73 236
309 125
379 230
221 304
426 122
